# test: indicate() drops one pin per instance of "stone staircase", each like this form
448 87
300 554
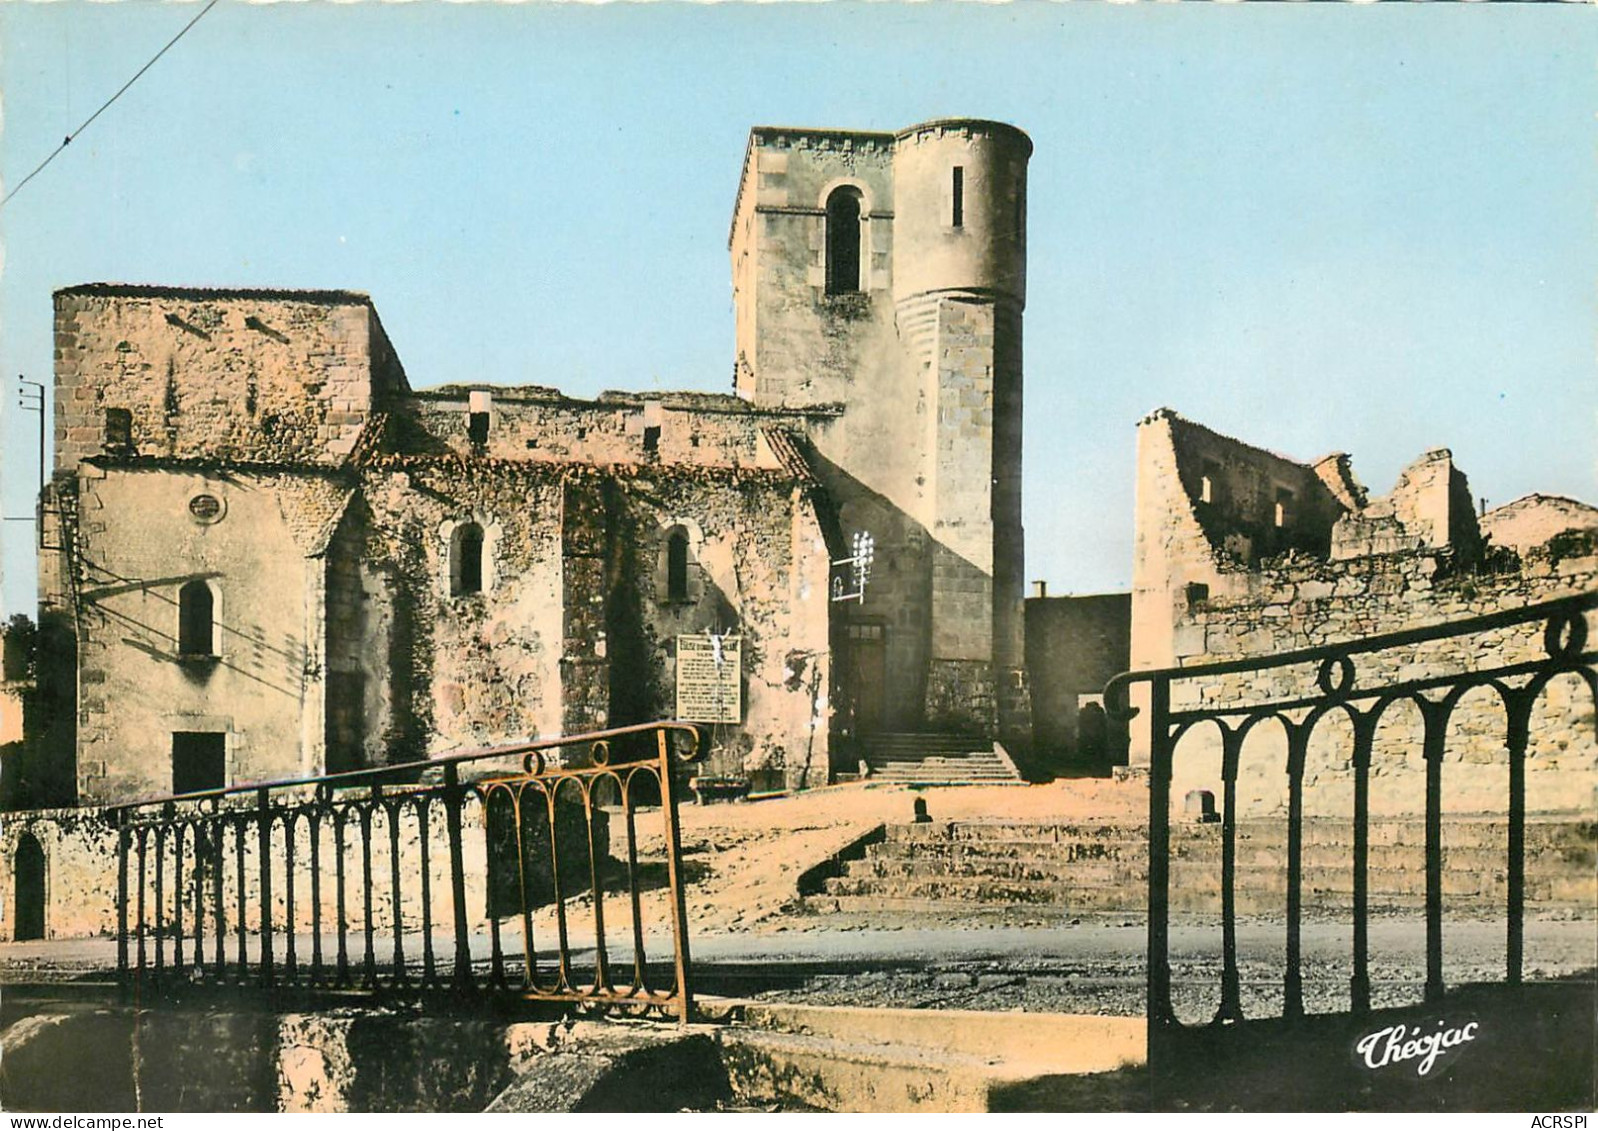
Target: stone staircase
937 759
1050 870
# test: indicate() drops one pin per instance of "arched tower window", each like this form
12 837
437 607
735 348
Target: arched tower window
843 241
677 565
466 560
196 620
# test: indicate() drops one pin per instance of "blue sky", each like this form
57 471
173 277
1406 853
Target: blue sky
1316 228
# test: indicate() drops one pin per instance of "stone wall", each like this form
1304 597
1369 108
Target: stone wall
1227 567
80 854
574 628
537 425
281 377
1074 645
142 537
80 880
1309 604
448 671
757 568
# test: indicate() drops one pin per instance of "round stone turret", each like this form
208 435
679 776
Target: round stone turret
959 209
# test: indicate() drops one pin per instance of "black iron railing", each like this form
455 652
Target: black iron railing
1328 681
423 877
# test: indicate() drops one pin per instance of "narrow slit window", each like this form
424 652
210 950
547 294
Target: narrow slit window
467 567
196 620
957 198
1284 503
843 241
677 565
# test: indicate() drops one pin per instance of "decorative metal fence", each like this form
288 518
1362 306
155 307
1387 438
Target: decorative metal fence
423 877
1300 689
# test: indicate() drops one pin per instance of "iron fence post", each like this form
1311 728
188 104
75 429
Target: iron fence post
679 902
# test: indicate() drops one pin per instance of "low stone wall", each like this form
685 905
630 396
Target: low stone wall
1307 604
80 883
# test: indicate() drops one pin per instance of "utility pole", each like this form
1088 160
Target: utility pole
30 398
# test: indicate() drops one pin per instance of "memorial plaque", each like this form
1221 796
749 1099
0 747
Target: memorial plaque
708 688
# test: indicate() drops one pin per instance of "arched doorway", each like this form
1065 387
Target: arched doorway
27 870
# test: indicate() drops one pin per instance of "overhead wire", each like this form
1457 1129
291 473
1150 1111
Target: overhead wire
66 141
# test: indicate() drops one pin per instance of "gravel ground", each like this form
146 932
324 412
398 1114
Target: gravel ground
1099 967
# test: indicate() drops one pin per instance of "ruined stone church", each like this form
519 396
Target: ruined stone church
277 559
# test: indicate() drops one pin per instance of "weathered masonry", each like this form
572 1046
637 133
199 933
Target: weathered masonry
1241 553
277 559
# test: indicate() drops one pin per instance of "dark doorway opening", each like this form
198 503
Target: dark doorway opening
199 761
28 873
868 667
1092 736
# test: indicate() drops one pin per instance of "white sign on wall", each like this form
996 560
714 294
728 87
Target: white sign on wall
708 686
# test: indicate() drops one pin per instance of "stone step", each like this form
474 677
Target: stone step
897 1060
931 740
1577 839
922 770
1117 902
1066 860
975 762
802 1072
936 759
1193 889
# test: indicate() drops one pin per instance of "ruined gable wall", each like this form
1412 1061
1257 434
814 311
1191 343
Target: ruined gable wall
1185 547
1306 604
139 544
257 378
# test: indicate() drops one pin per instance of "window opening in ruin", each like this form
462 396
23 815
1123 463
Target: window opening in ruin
118 430
652 438
199 760
957 198
1197 594
27 870
477 428
196 620
1284 500
466 563
677 565
1206 490
843 241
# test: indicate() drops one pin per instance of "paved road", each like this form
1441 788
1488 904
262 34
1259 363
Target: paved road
1095 967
